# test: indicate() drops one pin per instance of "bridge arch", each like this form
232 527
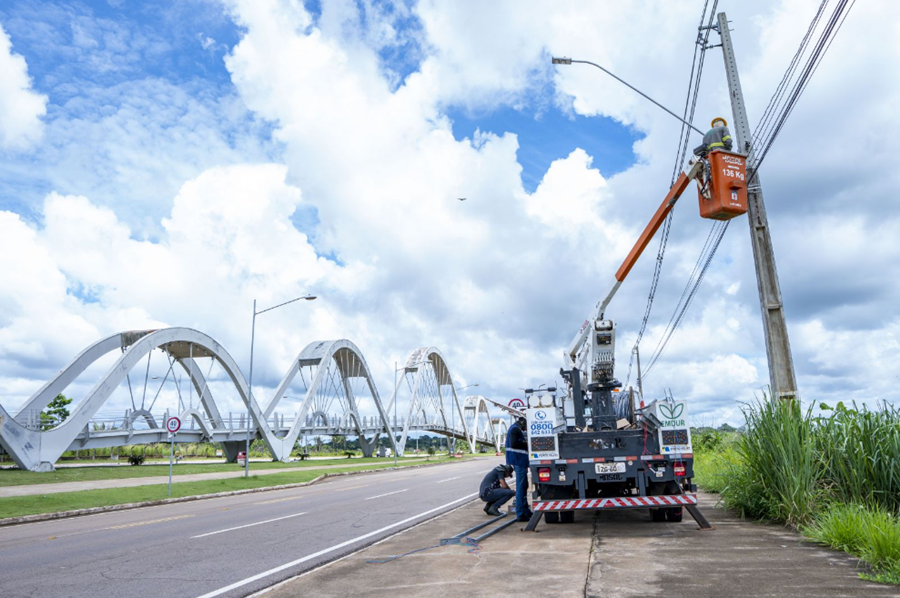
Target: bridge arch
38 450
339 375
334 364
433 401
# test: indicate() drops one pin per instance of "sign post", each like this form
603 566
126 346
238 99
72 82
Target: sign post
173 424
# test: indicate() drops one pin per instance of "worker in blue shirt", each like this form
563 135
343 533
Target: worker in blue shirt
494 491
517 456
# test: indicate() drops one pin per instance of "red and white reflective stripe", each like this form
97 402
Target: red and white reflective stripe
622 502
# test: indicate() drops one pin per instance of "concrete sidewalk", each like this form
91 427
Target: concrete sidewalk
635 557
510 563
612 554
32 489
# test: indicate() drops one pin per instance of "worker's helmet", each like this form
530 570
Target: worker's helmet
717 119
507 470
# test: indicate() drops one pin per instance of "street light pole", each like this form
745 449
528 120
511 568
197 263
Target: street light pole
782 376
394 427
250 376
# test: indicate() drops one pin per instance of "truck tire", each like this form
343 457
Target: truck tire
551 516
658 515
567 517
675 515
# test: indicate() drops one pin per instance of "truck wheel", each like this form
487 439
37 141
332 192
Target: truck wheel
567 517
551 516
675 515
658 514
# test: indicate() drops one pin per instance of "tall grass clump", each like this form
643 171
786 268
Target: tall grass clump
835 476
859 452
780 476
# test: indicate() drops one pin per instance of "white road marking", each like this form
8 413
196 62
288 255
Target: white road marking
388 494
352 488
269 502
448 479
231 529
316 555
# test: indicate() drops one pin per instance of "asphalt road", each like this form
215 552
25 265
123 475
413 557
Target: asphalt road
230 546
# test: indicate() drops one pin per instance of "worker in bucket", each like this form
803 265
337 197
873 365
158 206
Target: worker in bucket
517 456
494 489
718 137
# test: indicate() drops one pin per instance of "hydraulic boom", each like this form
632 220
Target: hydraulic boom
681 184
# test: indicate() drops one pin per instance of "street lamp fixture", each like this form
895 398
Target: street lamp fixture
565 60
250 378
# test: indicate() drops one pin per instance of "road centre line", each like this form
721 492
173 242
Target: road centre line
388 494
231 529
448 480
136 524
315 555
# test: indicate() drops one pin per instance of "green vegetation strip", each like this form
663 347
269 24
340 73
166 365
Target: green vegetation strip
18 477
835 477
69 501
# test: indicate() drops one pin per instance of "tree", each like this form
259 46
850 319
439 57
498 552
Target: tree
56 412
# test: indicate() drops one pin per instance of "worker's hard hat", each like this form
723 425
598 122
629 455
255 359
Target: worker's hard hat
718 118
507 470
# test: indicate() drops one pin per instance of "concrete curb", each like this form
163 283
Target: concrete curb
165 501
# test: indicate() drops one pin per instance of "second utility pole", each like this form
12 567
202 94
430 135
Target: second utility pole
778 346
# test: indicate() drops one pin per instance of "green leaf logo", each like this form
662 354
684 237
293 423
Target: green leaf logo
672 412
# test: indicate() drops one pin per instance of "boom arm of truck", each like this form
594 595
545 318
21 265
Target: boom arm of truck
665 207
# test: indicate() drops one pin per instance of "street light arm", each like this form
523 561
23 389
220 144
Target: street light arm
572 61
307 297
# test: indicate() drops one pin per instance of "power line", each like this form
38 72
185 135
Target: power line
690 105
764 136
689 293
770 132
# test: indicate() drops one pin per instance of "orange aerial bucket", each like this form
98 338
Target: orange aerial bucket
726 194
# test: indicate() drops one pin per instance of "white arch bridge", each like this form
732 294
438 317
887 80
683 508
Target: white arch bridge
334 380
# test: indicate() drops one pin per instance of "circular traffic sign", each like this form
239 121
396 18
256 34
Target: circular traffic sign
517 403
173 424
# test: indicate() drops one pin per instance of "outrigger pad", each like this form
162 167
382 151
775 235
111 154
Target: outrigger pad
532 523
700 519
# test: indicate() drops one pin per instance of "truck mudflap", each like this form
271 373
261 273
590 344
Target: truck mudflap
620 502
674 501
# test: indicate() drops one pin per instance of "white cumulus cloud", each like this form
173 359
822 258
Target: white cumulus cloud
21 108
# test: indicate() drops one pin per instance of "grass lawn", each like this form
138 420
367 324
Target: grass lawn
18 477
67 501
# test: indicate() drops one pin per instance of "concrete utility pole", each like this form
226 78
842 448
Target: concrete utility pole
778 346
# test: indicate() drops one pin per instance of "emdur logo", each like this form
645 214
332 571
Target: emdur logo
671 411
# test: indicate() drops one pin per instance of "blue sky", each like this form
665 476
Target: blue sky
76 50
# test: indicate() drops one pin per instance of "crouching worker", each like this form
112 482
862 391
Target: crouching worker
494 489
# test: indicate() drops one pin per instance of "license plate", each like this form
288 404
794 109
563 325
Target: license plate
617 467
